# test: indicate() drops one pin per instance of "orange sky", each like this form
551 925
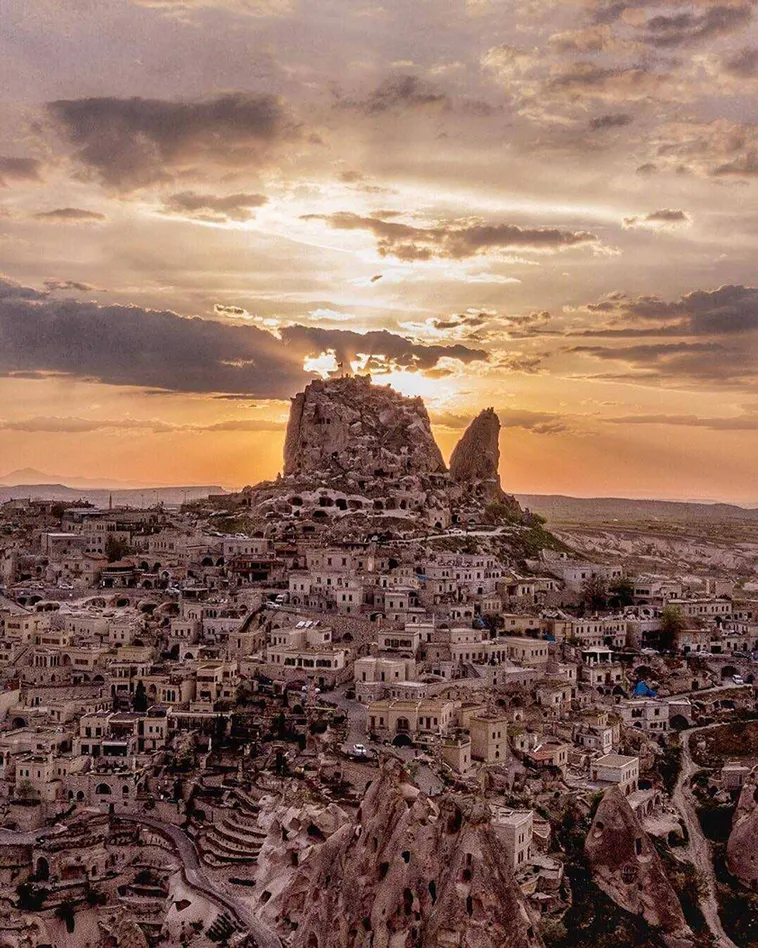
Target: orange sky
546 207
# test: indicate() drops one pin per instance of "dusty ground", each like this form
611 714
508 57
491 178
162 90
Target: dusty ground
729 548
735 741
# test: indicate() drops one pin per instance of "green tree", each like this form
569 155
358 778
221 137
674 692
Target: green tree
25 790
594 592
139 701
672 623
31 897
115 549
66 913
621 593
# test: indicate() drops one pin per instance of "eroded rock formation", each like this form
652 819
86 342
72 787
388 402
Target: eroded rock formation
742 847
355 449
349 425
626 866
476 457
410 871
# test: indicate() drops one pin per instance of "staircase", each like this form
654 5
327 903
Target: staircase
236 838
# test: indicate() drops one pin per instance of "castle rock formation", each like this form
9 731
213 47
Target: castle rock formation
353 448
349 425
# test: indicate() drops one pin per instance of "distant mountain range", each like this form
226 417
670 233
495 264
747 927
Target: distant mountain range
36 485
30 475
557 508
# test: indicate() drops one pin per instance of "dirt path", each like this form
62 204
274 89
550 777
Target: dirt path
698 848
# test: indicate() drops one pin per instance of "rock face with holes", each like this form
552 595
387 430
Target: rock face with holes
409 871
347 425
742 847
476 458
626 866
362 456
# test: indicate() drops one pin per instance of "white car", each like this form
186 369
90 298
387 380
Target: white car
359 750
738 679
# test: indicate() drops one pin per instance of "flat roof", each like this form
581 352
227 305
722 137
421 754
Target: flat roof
615 760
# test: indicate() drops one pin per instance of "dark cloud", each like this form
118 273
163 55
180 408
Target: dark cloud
462 321
455 240
746 166
11 290
717 148
666 218
585 79
398 93
70 215
611 120
520 362
677 360
214 208
743 65
19 170
55 286
681 29
130 143
410 93
727 310
225 310
707 336
389 350
128 345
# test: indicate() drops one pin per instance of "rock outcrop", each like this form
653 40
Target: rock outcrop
349 425
742 846
626 866
410 871
476 457
361 459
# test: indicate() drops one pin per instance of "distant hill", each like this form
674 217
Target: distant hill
100 496
557 508
34 477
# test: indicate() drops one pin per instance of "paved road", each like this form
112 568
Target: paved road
698 847
357 718
13 838
729 686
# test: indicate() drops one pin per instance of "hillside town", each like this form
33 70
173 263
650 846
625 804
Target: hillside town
371 702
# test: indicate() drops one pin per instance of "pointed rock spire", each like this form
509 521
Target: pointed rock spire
476 457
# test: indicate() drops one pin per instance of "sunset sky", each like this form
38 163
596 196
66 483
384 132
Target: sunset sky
546 206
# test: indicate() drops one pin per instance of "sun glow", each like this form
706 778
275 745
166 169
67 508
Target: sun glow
436 392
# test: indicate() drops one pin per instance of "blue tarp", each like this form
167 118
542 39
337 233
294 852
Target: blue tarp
643 690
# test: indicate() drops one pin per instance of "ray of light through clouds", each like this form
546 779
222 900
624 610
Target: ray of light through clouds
548 207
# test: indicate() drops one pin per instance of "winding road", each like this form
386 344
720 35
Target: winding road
193 873
197 879
698 847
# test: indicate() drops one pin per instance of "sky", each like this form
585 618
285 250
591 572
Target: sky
549 207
